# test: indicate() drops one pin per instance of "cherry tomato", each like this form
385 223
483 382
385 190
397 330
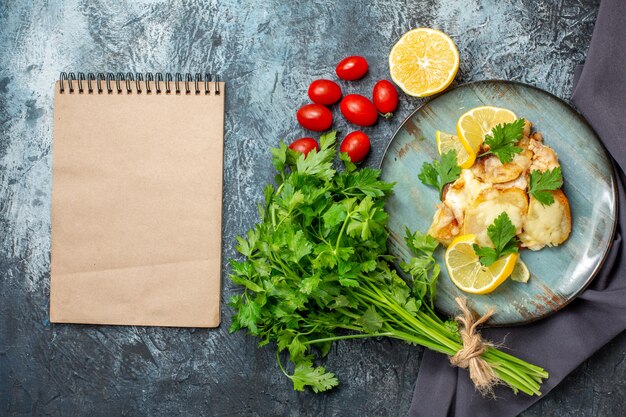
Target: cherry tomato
357 145
304 145
351 68
315 117
358 110
324 92
385 98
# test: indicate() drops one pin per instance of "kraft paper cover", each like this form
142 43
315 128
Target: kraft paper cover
136 208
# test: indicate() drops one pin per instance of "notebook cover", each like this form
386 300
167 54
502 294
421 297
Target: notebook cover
136 208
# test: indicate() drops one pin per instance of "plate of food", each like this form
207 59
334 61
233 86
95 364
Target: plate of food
516 187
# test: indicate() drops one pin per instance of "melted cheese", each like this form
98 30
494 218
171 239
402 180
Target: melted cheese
490 205
462 193
547 225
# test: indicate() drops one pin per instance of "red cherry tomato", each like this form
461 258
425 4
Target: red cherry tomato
356 145
351 68
324 92
385 98
315 117
304 145
358 110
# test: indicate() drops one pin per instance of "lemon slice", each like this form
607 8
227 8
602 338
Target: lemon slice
423 62
520 272
478 122
446 142
469 274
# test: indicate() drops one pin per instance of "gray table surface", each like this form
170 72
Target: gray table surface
267 52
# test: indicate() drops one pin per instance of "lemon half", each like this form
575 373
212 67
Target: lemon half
423 62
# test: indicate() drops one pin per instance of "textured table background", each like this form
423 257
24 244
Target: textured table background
268 52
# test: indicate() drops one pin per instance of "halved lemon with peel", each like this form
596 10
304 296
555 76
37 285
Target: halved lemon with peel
466 271
446 142
474 125
423 62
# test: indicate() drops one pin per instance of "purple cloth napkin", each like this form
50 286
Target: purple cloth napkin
563 341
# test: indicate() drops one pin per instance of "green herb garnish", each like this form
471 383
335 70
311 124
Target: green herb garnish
440 173
502 235
541 183
503 139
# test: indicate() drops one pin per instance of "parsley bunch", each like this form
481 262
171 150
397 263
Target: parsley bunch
315 270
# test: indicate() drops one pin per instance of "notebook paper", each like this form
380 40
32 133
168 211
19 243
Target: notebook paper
136 207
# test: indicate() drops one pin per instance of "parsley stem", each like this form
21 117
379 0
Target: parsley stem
517 370
431 316
350 336
417 324
310 331
513 378
440 327
397 321
348 313
498 355
280 365
343 228
407 337
284 268
273 213
283 219
349 327
318 234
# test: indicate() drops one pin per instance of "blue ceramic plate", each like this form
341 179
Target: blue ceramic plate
557 274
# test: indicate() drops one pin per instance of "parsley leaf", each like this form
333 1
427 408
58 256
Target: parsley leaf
420 242
502 235
486 255
371 320
368 217
503 139
542 183
347 162
317 378
440 173
361 182
318 164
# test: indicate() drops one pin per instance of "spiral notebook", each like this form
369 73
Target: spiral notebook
136 199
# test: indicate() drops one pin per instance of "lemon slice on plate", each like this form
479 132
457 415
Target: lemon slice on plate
446 142
478 122
423 62
466 271
520 272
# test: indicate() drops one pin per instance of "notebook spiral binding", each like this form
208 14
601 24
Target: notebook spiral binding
116 83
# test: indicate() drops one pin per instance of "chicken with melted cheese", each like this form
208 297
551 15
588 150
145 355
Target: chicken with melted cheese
489 187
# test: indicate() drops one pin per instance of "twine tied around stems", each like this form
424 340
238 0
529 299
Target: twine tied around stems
469 356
